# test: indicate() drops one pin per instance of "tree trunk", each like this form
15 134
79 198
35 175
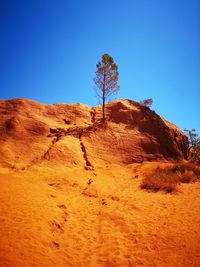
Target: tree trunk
103 107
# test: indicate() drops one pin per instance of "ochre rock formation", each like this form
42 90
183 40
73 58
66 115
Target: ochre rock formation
73 135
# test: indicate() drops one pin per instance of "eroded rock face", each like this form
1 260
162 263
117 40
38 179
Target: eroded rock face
33 133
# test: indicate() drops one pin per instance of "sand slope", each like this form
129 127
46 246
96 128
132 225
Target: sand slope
98 218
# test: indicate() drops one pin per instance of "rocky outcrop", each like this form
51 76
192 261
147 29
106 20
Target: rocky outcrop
33 133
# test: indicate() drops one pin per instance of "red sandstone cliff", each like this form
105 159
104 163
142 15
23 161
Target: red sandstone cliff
72 135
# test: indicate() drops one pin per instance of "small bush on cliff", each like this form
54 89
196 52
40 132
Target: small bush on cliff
147 103
168 179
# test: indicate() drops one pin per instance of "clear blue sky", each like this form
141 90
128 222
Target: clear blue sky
49 50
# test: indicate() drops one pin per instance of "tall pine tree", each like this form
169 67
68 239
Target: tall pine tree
106 80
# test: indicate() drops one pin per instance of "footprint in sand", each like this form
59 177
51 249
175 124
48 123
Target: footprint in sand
56 227
56 244
104 202
90 181
62 206
64 210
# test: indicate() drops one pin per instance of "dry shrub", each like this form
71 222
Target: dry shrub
187 169
160 180
167 179
187 177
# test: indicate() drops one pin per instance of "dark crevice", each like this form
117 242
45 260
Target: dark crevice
72 131
93 114
46 155
66 121
57 134
85 156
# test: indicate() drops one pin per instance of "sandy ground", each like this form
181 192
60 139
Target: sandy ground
96 218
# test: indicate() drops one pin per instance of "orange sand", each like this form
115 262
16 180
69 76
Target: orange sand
97 218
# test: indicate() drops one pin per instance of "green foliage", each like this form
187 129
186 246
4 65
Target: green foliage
194 144
106 79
